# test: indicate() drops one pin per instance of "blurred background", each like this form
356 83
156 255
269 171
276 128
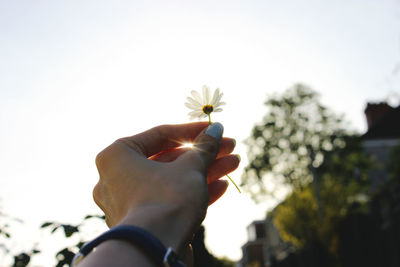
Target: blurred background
299 78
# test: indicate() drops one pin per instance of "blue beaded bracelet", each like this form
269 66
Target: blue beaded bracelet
139 238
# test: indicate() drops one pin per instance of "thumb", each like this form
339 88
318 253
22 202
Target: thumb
205 148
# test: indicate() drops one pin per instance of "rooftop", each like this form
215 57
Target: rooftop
386 126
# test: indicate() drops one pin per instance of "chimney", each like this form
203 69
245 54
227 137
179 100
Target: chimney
375 111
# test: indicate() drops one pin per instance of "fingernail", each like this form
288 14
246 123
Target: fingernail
215 130
238 156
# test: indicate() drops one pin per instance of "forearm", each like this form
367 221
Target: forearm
165 222
117 253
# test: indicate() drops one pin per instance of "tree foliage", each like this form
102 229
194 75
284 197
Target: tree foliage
65 255
298 220
292 140
308 148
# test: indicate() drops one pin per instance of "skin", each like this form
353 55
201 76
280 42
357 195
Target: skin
148 180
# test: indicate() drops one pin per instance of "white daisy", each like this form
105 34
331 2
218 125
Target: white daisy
203 106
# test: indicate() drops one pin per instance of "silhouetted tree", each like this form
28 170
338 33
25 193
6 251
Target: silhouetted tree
308 149
21 259
202 257
65 255
291 142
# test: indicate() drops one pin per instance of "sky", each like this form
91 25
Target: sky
75 76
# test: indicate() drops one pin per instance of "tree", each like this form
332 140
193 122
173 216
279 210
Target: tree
307 148
291 142
65 255
201 255
21 259
297 217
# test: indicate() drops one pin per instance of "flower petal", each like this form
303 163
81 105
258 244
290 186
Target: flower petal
197 116
191 106
197 97
194 102
217 110
214 100
206 95
195 113
219 104
219 98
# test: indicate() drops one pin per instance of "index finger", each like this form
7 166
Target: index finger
164 137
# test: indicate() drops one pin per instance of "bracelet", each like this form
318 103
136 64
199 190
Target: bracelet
140 238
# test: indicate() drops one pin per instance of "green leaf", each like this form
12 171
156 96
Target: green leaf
102 217
54 229
69 230
46 224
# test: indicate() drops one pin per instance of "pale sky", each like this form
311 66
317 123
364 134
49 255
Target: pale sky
75 76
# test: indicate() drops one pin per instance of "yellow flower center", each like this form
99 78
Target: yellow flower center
207 109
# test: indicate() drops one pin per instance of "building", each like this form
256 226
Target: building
265 245
382 136
254 250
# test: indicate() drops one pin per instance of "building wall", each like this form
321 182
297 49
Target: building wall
379 150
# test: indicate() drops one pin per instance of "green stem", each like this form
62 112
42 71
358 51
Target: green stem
209 121
233 183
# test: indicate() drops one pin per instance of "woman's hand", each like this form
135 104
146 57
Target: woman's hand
148 180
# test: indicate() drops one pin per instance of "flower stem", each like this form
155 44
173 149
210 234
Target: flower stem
209 122
233 183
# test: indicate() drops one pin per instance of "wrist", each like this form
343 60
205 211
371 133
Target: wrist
118 242
164 221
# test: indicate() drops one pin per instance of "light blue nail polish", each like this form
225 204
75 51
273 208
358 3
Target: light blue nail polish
215 130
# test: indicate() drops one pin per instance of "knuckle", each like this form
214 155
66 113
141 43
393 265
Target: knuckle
97 193
99 198
99 160
104 158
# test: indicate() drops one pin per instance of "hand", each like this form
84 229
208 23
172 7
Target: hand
149 181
